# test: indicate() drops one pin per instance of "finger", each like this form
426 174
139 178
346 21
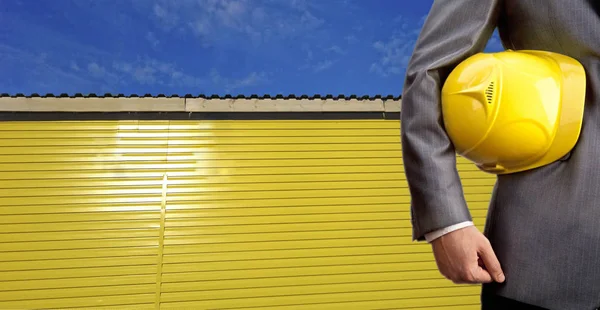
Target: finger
474 275
492 265
481 275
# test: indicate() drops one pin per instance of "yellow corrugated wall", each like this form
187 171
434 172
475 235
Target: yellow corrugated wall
290 214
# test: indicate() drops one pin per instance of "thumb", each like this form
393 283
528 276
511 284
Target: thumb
492 265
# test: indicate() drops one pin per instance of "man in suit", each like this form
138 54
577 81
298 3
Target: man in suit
541 245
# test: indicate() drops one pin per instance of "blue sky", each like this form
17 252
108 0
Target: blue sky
209 46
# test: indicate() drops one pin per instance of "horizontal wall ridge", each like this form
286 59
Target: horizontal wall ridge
200 103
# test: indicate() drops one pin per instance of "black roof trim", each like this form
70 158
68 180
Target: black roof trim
214 96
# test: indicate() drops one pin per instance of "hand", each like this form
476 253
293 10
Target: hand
465 256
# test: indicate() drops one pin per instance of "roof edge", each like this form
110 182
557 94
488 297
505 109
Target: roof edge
200 103
203 96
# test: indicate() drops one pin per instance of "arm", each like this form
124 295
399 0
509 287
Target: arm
453 31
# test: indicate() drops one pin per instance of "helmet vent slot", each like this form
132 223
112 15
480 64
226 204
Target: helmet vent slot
489 92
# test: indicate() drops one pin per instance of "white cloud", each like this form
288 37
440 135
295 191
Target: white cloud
168 19
150 71
323 65
394 53
351 39
41 71
74 66
318 66
96 70
58 63
101 74
308 50
226 21
333 53
151 37
310 21
251 79
229 84
336 49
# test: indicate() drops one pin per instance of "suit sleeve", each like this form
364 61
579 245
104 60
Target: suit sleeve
453 31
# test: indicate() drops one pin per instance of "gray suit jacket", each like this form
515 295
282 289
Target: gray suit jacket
543 224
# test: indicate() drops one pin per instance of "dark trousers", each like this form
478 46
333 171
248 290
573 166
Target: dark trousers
490 301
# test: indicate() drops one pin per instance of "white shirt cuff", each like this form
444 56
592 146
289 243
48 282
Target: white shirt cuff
440 232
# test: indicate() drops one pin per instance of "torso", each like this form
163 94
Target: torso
545 224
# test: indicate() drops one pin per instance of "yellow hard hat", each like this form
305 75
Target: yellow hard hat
513 111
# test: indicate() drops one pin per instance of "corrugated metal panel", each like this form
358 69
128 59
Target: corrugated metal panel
216 214
80 207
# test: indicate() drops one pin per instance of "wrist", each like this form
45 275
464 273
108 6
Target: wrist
434 235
